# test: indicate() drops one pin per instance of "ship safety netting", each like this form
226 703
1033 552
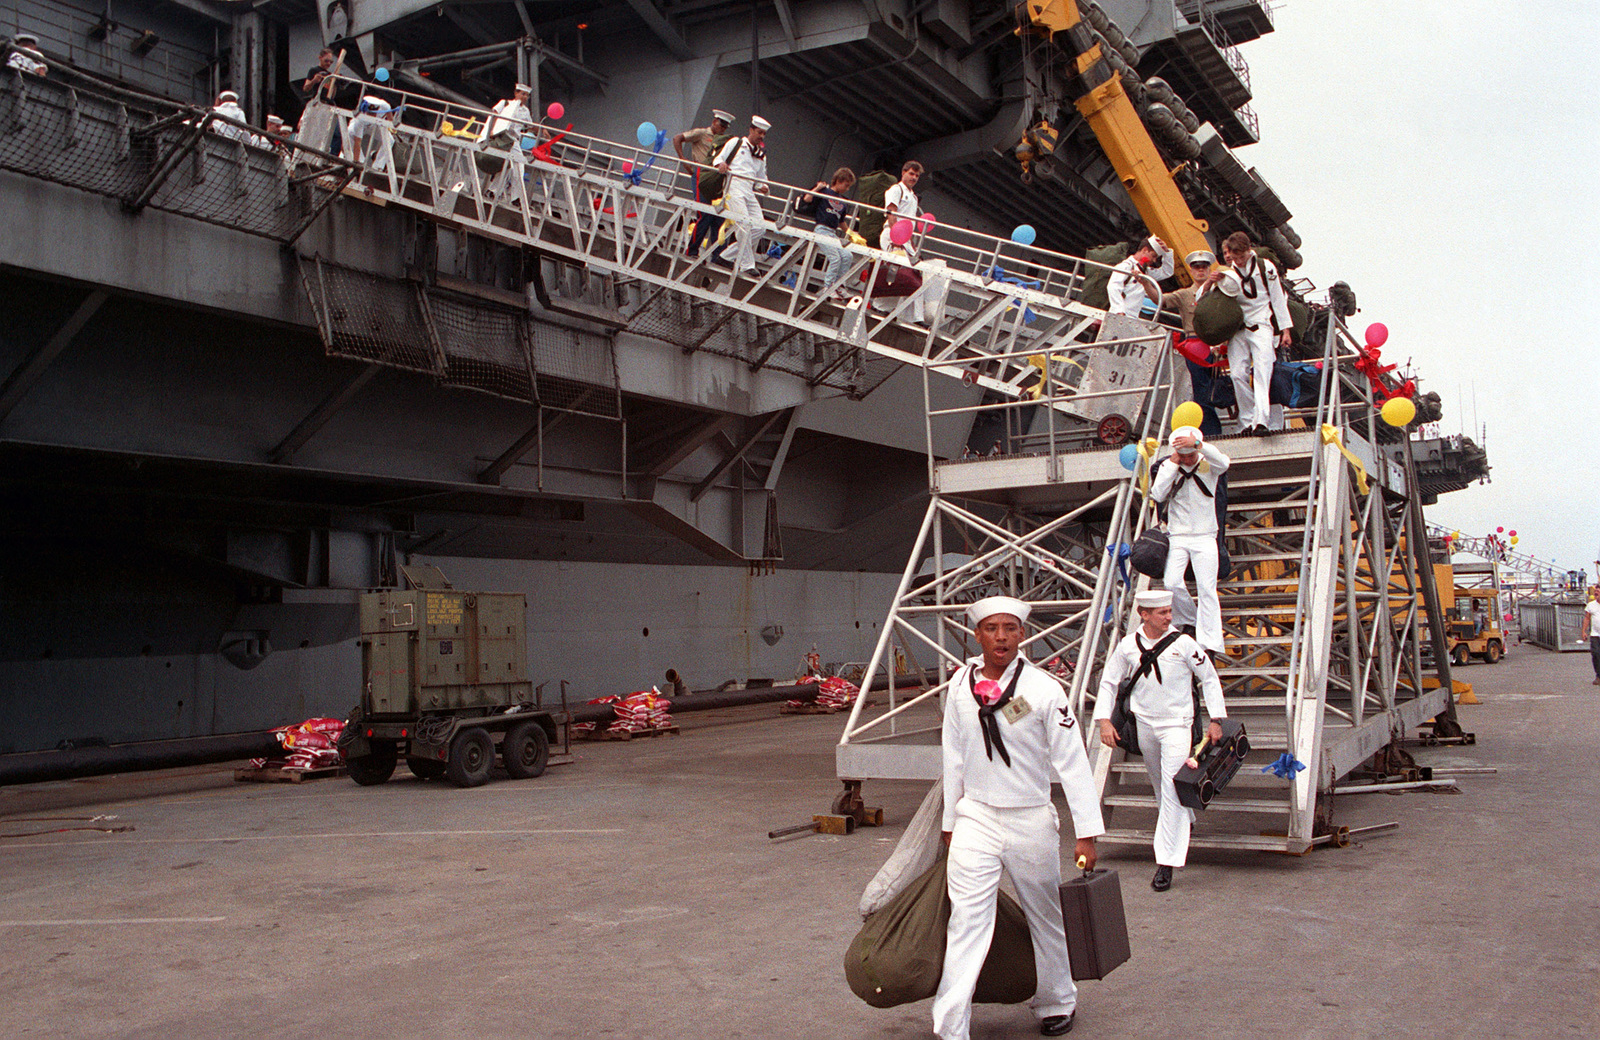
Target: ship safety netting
145 152
459 340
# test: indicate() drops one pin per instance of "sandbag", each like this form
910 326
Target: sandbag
898 955
1217 316
1096 279
870 191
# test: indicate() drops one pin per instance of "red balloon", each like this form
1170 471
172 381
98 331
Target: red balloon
627 167
1499 530
1513 534
556 110
1377 334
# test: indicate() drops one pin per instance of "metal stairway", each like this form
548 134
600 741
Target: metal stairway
620 213
1322 657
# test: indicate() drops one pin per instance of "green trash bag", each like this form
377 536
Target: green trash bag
898 955
1096 279
1217 316
870 191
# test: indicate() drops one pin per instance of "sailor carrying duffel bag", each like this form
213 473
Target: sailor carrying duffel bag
1217 316
898 955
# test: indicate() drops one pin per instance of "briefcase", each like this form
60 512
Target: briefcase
1198 784
1097 929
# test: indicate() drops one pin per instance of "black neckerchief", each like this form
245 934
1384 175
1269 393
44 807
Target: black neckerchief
1157 646
992 741
1190 474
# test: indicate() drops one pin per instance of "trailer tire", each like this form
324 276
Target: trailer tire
525 750
471 758
426 768
373 769
1493 652
1461 655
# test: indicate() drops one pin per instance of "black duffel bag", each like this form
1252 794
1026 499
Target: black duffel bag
1148 553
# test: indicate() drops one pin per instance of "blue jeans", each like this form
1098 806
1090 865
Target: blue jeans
834 250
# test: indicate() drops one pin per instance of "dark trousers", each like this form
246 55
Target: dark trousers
1204 379
1594 654
705 229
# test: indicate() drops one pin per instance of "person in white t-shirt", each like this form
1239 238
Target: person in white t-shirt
900 202
1591 630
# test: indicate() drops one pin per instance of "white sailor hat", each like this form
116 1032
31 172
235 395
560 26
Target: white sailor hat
1153 598
227 95
722 114
1200 256
759 123
991 605
522 88
25 40
1187 431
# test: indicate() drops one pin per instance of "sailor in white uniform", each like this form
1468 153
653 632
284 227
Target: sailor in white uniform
1187 483
1254 282
744 160
1162 702
1007 728
1133 282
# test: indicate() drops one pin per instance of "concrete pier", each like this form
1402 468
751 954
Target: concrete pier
634 894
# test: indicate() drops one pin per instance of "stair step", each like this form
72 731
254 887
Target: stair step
1221 803
1261 842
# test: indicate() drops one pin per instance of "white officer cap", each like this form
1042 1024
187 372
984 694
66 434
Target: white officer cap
759 123
227 95
25 40
522 88
991 605
1187 431
722 114
1152 598
1200 256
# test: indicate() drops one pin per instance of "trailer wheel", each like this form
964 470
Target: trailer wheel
1460 654
371 770
525 750
1492 654
471 758
425 768
1113 430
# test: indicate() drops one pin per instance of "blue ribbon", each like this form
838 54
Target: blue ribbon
637 174
998 274
1286 766
1119 552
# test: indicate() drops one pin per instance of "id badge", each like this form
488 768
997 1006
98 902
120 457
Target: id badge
1015 710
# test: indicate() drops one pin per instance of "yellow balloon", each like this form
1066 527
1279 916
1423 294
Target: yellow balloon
1187 414
1515 539
1397 411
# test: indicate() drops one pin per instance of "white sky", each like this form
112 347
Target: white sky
1442 159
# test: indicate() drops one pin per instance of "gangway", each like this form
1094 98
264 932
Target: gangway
989 308
1321 614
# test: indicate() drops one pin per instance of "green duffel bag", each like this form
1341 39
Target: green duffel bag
1217 316
1096 279
898 955
870 191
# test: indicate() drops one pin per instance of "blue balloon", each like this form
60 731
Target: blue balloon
646 134
1129 456
381 74
1023 234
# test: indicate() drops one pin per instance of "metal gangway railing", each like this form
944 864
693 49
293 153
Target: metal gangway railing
985 304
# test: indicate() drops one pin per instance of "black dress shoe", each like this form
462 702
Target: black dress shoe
1163 879
1056 1025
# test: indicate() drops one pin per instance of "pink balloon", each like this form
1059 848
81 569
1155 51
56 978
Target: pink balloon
627 167
926 221
1377 334
556 110
900 233
1513 534
1499 530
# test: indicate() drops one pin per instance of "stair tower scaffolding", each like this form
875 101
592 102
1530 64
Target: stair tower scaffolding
1322 658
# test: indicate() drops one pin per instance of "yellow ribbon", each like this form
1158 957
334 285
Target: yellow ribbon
1331 436
1147 453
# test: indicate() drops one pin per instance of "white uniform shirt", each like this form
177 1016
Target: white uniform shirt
1592 612
1038 744
742 162
1259 290
28 60
1191 511
1127 292
509 114
1169 698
